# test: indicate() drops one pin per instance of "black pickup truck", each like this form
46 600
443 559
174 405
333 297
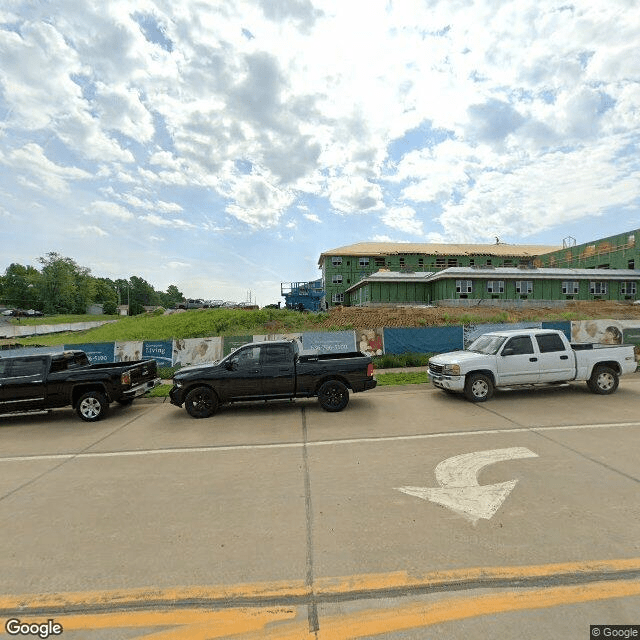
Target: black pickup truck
272 370
47 381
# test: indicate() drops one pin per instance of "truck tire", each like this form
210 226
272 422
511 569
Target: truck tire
92 406
201 402
333 395
603 381
478 387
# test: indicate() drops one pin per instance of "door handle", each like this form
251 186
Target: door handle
533 359
564 357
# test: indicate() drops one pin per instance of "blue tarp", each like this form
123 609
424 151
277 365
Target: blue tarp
560 326
422 340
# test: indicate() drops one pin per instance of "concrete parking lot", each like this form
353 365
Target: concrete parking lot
411 514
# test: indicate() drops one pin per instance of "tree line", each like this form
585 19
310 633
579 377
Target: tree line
62 286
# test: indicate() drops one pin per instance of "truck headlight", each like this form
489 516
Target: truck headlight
451 369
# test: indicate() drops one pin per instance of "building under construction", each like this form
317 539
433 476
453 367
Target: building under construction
406 273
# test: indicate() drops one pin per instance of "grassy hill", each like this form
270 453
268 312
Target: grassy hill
229 322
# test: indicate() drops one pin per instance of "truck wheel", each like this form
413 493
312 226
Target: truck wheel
603 380
92 406
333 395
478 387
201 402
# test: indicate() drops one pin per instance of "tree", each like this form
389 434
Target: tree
171 297
106 294
141 294
65 287
19 287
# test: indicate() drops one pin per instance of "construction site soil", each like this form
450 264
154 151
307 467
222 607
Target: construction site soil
409 316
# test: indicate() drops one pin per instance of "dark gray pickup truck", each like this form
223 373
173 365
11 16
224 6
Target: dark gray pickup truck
48 381
272 370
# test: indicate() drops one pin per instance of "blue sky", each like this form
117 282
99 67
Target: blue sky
222 146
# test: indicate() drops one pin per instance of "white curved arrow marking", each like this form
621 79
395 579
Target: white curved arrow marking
458 480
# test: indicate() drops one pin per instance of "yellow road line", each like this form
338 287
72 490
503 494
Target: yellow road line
374 622
184 624
292 592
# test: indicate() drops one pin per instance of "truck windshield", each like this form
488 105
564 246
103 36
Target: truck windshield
486 344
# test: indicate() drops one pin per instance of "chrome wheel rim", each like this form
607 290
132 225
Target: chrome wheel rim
479 388
90 408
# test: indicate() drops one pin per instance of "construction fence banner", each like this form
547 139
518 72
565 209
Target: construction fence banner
231 343
473 331
179 353
29 351
423 340
196 351
160 350
128 351
371 341
96 352
330 342
602 331
564 326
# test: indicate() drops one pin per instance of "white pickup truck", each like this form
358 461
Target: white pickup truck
529 357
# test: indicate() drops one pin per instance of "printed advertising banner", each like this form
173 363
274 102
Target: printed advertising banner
160 351
96 352
128 351
233 342
196 351
334 342
422 340
29 351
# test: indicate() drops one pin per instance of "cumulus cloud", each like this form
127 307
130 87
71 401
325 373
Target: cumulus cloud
110 210
226 117
403 219
40 173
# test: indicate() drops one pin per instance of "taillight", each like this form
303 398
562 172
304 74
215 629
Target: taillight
370 369
125 378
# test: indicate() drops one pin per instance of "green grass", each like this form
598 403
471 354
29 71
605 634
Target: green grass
191 324
397 379
161 391
61 319
391 361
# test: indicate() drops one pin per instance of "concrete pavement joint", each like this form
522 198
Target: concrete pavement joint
67 458
537 431
586 457
312 609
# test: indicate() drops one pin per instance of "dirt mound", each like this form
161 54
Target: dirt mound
374 317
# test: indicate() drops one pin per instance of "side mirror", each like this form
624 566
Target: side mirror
231 365
509 351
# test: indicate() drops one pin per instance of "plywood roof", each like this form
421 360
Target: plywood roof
372 249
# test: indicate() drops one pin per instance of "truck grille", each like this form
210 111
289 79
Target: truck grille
436 368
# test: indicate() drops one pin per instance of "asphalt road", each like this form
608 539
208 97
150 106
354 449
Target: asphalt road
411 514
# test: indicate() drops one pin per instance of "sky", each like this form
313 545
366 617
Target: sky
222 145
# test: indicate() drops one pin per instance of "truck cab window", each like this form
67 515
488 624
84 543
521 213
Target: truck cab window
27 367
520 345
248 357
549 342
276 354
